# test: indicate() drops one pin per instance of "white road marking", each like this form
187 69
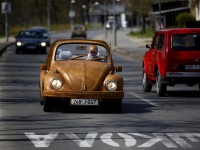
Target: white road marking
107 139
178 138
129 140
159 137
41 140
87 142
144 99
169 140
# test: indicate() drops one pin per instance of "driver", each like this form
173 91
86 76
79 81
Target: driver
93 52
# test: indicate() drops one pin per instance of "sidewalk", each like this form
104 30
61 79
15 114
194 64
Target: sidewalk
126 44
4 44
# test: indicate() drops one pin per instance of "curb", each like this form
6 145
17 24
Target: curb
127 53
3 47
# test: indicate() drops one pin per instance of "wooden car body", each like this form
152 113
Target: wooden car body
84 82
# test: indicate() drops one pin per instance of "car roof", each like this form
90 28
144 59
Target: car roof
39 28
180 30
29 30
79 25
68 41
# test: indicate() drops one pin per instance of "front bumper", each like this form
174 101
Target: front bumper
85 94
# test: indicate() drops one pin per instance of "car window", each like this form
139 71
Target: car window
80 28
79 51
183 42
30 34
158 42
161 41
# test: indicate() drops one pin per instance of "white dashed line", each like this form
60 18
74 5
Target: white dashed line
144 99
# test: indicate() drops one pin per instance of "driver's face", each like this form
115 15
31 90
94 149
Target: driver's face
93 53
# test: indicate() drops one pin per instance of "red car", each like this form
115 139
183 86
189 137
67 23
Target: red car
173 58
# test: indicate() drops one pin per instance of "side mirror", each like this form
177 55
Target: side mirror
148 46
43 67
118 68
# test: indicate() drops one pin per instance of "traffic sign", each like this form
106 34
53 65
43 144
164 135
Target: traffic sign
5 7
72 13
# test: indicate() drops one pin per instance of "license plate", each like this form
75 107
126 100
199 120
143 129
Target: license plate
192 67
84 102
31 47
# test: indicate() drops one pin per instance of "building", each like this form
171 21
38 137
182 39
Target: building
101 13
168 11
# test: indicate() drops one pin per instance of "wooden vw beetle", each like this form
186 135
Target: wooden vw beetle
80 72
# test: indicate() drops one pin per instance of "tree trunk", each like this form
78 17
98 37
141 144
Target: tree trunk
143 24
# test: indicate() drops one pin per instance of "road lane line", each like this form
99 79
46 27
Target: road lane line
144 99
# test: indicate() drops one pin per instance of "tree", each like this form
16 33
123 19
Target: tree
183 18
141 8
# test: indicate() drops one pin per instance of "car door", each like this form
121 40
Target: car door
154 55
151 58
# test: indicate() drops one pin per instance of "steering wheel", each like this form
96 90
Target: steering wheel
82 55
96 59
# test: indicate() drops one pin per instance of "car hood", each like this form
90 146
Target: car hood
82 75
30 40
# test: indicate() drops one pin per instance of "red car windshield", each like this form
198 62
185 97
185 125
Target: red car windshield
189 42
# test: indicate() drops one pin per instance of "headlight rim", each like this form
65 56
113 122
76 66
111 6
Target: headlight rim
106 85
54 87
43 44
19 43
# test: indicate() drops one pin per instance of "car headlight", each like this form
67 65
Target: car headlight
107 26
43 44
111 85
56 83
19 43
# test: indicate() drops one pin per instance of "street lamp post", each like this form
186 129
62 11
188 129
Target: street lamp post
114 24
72 13
105 19
160 17
5 9
85 14
48 14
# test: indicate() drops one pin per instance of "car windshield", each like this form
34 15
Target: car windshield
78 28
182 42
31 34
80 51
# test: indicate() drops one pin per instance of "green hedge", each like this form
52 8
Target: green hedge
182 18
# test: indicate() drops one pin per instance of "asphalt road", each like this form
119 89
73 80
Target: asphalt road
147 122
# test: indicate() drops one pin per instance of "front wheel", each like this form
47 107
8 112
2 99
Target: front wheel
47 105
147 86
118 106
160 87
17 51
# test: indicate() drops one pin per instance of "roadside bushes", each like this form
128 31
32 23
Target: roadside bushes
182 18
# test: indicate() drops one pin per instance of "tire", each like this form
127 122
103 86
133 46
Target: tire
44 51
160 87
17 52
147 85
118 106
47 106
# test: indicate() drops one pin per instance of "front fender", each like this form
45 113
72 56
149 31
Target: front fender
118 79
42 73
